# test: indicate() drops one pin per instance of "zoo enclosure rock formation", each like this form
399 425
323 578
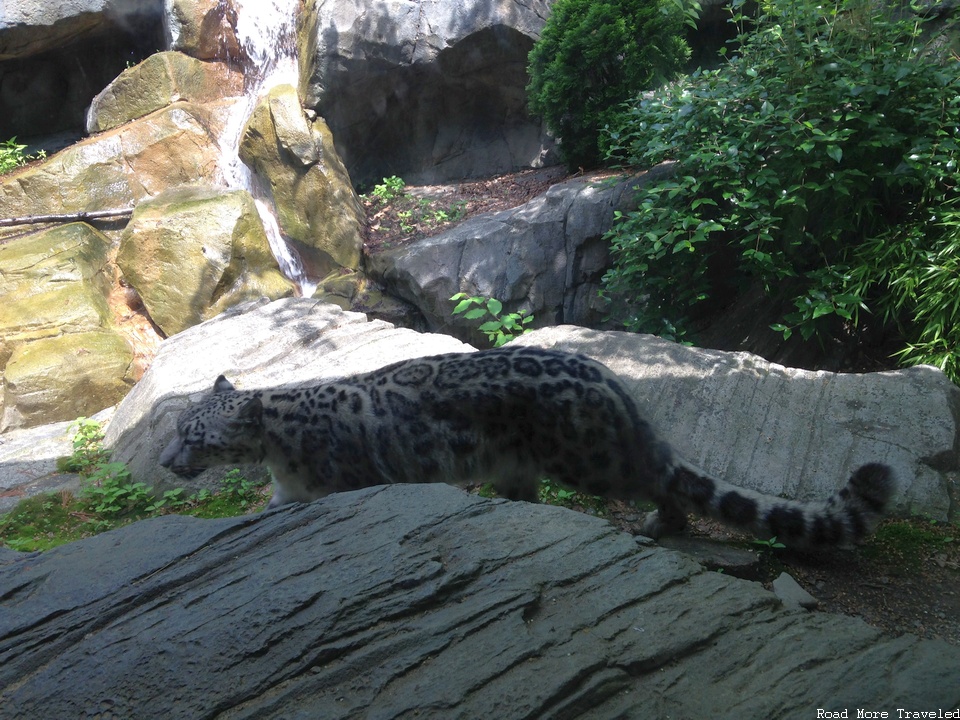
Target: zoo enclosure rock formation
182 281
545 257
782 431
429 91
55 56
423 601
60 354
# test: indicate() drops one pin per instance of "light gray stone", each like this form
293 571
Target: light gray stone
545 257
255 345
423 601
791 594
28 460
784 431
426 90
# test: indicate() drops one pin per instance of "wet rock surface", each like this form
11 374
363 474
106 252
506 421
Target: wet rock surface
423 601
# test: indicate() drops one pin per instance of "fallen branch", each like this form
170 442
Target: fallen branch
65 217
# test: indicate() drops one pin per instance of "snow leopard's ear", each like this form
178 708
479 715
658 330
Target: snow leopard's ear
223 385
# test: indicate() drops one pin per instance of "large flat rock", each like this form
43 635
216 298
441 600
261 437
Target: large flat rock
423 601
785 431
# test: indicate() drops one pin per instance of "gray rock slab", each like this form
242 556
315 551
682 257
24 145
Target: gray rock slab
784 431
28 461
792 594
423 601
429 91
260 344
545 257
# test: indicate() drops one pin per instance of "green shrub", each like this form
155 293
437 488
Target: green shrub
12 155
499 329
592 56
820 163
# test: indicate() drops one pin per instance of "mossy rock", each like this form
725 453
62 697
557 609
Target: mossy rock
193 252
65 377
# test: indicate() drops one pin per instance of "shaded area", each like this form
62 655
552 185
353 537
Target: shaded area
423 600
49 74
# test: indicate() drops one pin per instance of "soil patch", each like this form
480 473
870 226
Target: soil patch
414 212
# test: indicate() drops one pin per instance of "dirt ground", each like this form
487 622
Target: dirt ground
894 582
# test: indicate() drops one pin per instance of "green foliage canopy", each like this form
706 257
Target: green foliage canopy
591 56
821 163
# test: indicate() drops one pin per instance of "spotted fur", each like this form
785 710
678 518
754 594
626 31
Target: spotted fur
508 416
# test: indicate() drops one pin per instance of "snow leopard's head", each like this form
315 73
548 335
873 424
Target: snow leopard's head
223 428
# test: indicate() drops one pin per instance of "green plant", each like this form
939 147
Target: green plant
550 493
88 451
769 543
11 155
499 329
235 486
390 189
171 500
110 492
819 165
591 56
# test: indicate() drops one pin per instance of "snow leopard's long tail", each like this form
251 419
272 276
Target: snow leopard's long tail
846 518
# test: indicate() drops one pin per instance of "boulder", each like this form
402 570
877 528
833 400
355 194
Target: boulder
546 257
735 415
161 80
59 354
194 251
116 169
784 431
255 345
204 29
65 377
294 156
29 27
55 56
424 601
429 91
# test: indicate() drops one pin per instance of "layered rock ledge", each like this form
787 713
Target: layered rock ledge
424 601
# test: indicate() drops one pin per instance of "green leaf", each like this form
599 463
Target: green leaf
475 313
835 152
494 306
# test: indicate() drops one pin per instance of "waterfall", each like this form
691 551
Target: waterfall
267 32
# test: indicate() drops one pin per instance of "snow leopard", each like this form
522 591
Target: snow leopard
508 416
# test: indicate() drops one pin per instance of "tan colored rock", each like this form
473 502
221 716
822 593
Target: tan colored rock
195 251
161 80
205 29
59 355
167 148
54 282
316 204
65 377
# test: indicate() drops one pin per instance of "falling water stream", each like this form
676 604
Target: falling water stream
267 31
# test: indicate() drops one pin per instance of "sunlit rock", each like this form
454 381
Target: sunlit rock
204 29
59 356
429 91
195 251
159 81
294 156
115 169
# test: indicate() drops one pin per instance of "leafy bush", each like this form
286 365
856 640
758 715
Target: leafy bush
821 163
591 56
12 155
499 329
